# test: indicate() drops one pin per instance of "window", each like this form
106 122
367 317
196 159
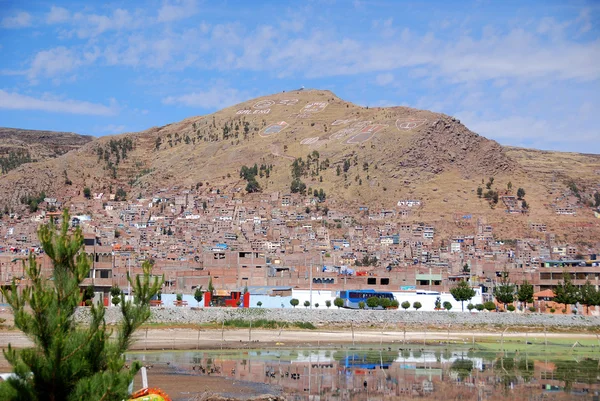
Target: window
371 281
105 274
384 281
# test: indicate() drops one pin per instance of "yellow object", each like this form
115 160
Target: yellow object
150 394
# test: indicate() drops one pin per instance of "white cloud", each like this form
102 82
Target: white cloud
216 97
384 79
176 10
57 15
109 129
16 101
20 20
91 25
53 62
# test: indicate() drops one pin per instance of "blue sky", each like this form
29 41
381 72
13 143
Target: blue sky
522 73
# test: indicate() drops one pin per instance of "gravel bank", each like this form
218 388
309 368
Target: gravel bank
362 318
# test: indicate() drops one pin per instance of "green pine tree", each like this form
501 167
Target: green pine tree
69 361
565 292
462 292
505 291
525 293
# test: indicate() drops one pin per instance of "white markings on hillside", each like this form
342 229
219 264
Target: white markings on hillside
314 107
288 102
264 104
249 112
366 133
342 122
274 129
309 141
409 123
353 129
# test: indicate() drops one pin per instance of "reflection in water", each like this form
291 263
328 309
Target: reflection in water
389 374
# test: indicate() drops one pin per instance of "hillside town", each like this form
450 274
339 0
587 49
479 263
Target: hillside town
275 245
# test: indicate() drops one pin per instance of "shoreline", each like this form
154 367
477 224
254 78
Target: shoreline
168 338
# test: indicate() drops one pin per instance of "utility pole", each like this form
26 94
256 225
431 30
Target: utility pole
310 282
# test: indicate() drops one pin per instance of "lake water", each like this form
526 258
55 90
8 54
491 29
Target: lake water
378 372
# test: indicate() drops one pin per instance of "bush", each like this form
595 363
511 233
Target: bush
385 302
328 304
306 304
116 300
259 304
417 305
511 308
532 309
552 310
115 291
394 304
479 307
489 305
179 297
339 302
373 302
294 302
361 305
447 305
317 305
405 305
470 307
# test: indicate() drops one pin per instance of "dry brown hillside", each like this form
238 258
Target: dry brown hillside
19 146
389 154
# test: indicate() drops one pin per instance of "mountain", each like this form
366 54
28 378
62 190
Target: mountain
19 146
384 155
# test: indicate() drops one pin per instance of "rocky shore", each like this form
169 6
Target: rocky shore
360 318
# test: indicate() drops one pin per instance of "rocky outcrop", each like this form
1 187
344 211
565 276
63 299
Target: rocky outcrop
446 143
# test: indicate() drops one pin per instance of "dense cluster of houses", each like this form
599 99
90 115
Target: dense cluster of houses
278 241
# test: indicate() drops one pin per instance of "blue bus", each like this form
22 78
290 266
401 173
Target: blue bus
351 298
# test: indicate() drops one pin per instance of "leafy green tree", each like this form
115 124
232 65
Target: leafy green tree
405 305
198 294
361 305
69 361
339 302
470 307
306 304
417 305
479 307
385 302
88 295
328 304
87 192
489 305
259 304
462 292
252 185
294 302
447 305
565 292
373 302
116 300
589 296
317 305
438 303
121 195
211 287
525 293
479 192
520 193
394 303
115 291
505 291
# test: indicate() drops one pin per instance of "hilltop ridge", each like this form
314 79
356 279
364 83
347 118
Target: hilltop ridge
375 156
